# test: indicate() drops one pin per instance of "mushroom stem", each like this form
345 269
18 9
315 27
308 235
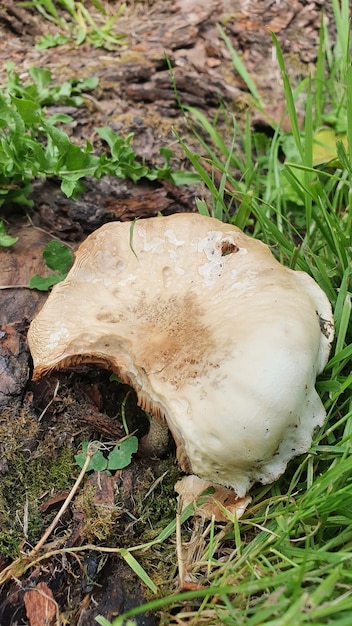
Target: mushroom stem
156 441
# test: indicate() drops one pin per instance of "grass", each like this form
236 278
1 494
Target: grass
288 560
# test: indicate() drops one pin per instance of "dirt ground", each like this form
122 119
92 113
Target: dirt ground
42 424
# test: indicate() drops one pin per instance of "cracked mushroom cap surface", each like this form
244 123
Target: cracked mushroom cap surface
215 336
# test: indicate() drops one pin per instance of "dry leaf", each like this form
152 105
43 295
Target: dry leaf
222 503
104 486
41 607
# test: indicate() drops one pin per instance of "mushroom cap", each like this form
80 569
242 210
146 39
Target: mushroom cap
212 332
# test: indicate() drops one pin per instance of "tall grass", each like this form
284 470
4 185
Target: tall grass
288 561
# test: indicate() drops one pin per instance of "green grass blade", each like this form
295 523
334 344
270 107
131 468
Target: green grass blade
138 569
290 102
241 68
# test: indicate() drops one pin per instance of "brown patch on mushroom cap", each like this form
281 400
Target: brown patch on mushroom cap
211 331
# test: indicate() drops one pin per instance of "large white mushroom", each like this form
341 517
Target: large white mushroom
215 336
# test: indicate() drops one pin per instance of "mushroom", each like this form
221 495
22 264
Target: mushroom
213 333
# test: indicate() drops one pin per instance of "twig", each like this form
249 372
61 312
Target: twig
50 401
155 484
90 451
15 287
179 551
47 232
21 564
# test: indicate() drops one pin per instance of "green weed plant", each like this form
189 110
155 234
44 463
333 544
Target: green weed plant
118 457
34 144
76 24
59 259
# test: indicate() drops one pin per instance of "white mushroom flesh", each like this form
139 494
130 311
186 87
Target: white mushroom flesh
212 332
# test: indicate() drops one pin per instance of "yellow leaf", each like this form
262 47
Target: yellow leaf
324 146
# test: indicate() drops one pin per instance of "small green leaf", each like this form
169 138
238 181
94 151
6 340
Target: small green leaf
166 153
121 455
57 256
180 177
81 36
51 41
69 186
98 462
43 283
28 110
87 84
6 240
41 76
81 457
59 140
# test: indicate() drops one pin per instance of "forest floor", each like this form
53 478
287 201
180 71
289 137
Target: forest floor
42 424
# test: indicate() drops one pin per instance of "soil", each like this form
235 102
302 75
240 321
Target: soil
42 424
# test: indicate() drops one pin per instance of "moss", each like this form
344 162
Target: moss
38 461
154 499
31 469
18 426
99 521
61 470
